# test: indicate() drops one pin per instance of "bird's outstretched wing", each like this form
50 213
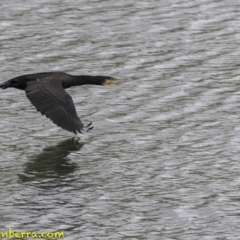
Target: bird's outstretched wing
50 98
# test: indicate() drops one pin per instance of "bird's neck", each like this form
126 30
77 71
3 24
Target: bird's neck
82 80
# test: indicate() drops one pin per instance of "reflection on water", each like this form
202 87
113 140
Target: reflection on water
52 162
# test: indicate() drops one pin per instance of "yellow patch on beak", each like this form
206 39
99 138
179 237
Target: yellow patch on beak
109 81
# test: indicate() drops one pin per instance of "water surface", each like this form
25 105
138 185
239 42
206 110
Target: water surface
162 161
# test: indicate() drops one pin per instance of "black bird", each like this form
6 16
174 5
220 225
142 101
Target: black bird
46 92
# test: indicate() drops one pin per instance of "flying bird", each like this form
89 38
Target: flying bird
46 92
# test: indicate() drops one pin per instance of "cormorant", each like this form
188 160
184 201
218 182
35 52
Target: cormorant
46 92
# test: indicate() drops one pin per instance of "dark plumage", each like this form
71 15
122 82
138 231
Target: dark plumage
46 92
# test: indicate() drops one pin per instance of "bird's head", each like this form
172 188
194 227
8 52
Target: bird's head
108 80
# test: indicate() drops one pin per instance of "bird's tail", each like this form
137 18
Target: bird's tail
6 84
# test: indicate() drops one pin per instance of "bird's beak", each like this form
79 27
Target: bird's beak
109 81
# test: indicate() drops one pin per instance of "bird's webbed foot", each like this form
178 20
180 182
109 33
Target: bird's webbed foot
88 127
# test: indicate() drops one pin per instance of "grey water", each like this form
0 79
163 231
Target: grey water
163 159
